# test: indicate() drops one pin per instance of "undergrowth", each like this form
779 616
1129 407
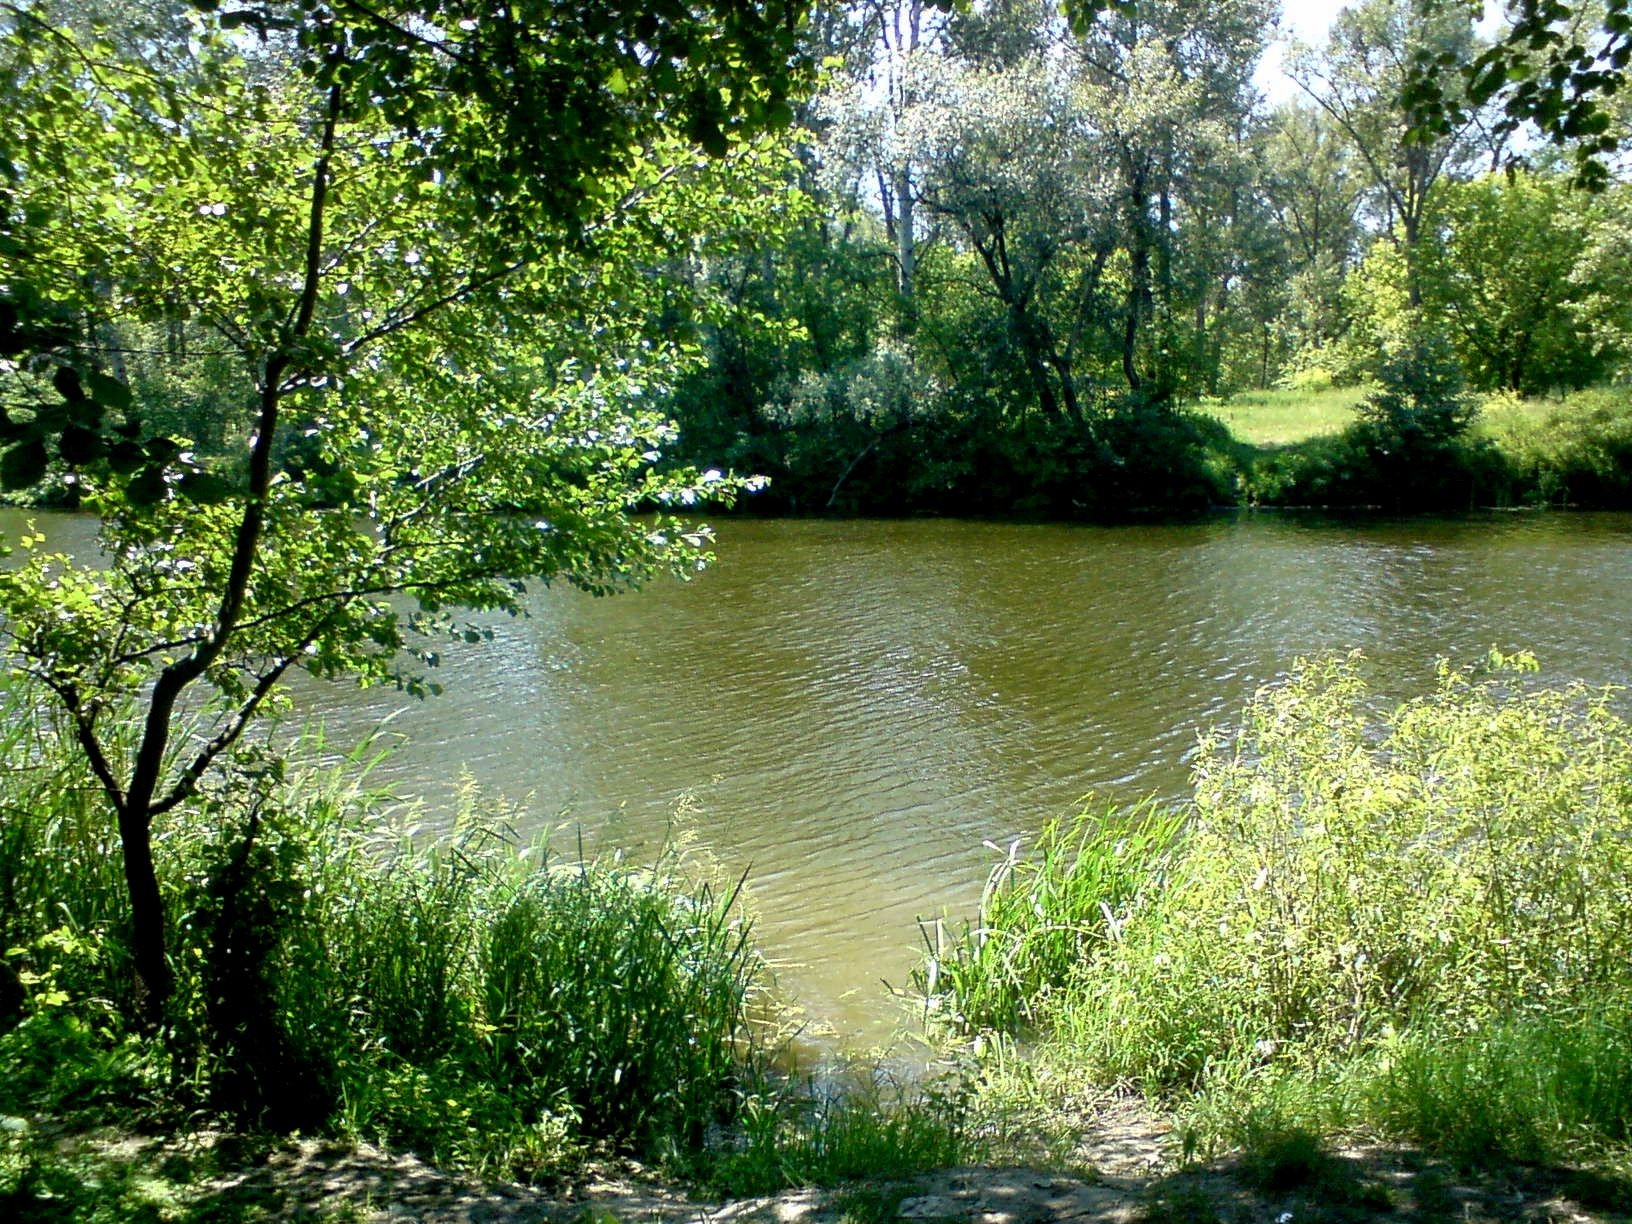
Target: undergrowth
471 997
1408 922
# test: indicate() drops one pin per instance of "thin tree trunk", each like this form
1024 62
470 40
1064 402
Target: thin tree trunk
906 256
140 802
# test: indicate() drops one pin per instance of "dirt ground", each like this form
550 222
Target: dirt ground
1126 1177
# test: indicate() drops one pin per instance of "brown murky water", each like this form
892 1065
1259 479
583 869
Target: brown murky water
853 708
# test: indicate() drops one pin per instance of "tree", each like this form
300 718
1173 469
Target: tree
1068 160
1006 162
892 43
1559 66
1507 272
1169 86
423 235
1314 188
1361 81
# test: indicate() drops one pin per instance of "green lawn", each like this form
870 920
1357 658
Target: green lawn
1276 418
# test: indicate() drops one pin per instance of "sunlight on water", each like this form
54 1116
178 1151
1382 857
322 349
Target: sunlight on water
854 708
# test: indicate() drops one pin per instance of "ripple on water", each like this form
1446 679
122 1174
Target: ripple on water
856 707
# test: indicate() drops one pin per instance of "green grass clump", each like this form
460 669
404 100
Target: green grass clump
805 1134
469 997
1043 915
508 1012
1535 1087
1409 920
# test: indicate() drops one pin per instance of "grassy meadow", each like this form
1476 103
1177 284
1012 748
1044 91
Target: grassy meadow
1283 417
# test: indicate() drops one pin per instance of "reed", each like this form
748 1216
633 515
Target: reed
470 996
1045 916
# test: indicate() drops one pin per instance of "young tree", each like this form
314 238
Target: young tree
422 233
1360 81
1507 272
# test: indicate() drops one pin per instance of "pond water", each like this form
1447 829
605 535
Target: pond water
850 710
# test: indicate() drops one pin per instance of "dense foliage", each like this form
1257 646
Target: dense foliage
1410 915
345 316
472 998
476 998
393 261
1036 242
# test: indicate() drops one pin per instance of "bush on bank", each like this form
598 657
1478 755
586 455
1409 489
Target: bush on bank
1415 448
473 999
1411 921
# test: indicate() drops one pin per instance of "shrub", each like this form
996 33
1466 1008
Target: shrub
1461 858
1414 915
1578 453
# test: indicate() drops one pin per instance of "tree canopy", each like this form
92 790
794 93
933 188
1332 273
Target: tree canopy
406 252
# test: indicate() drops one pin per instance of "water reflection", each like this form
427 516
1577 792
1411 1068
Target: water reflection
855 706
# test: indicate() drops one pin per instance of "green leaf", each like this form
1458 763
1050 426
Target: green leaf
125 458
66 380
79 445
108 391
162 450
205 488
23 466
147 488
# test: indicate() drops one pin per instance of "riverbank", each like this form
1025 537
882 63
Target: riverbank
1122 1173
1375 966
1357 448
1271 449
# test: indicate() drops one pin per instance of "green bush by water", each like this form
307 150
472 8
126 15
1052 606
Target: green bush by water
1410 920
470 998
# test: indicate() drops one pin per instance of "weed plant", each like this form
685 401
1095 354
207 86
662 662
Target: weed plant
1410 921
469 997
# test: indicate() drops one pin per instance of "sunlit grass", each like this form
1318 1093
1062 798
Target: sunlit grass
1500 416
1279 418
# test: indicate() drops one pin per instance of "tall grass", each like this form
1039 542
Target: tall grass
1411 920
56 843
1043 916
471 997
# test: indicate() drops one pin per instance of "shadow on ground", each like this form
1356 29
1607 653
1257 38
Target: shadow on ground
1121 1181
